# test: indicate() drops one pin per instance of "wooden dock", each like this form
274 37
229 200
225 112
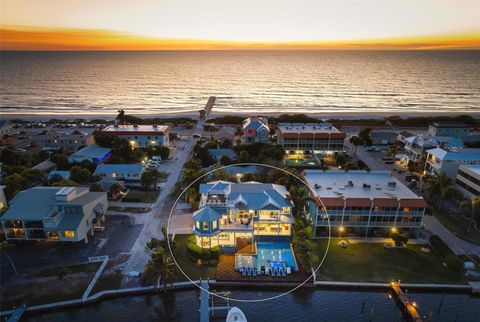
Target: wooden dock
208 108
409 309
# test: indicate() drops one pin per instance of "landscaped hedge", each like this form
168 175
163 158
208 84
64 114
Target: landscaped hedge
440 246
196 252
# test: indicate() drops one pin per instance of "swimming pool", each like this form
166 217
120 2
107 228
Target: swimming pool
275 255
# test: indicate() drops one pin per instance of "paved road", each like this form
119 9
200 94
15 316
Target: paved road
160 209
457 245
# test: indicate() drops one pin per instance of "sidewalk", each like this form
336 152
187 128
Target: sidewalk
129 204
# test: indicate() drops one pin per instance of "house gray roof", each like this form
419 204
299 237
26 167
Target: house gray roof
70 222
32 204
119 169
252 195
206 215
44 165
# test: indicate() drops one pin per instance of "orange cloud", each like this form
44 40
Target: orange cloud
24 38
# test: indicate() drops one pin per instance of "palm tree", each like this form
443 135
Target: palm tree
4 247
121 116
300 198
162 267
356 141
473 207
449 192
434 188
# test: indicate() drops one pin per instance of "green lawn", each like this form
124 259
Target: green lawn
141 196
192 269
370 262
457 225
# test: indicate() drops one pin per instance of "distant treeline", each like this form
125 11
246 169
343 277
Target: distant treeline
420 121
130 119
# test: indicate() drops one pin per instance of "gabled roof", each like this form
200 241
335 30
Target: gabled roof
255 123
461 154
44 165
63 174
206 215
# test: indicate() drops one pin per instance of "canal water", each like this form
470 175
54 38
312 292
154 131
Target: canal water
301 305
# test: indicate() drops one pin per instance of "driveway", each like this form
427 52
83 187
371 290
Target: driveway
161 208
457 245
118 237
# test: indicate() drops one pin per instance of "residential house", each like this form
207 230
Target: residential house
122 172
54 214
416 147
92 153
6 127
448 161
362 203
255 130
70 141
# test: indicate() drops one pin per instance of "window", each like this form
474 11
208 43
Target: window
69 234
214 225
197 224
205 225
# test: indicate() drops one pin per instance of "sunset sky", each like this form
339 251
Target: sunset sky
142 24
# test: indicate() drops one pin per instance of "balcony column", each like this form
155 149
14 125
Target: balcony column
252 243
278 230
368 222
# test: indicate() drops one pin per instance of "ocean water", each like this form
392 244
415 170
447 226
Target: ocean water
168 82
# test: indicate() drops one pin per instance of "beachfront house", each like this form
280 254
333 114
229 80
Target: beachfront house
92 153
141 135
362 203
448 161
417 145
54 214
255 130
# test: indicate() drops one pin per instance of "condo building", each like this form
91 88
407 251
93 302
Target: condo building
141 135
232 211
310 138
468 180
362 203
54 214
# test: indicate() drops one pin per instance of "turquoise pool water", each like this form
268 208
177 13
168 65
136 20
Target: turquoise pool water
275 255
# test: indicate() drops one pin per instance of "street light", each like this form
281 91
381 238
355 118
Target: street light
341 229
394 230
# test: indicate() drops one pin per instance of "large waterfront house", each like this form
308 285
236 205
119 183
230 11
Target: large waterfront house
70 141
54 214
310 138
229 211
141 135
448 161
362 203
255 130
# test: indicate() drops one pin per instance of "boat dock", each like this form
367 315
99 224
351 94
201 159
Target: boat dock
206 308
409 309
208 108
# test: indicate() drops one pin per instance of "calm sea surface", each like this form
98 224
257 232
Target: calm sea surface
64 83
302 305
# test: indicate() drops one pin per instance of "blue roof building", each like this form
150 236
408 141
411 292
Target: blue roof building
255 130
92 153
126 172
229 211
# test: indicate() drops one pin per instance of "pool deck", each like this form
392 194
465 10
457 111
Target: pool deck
226 272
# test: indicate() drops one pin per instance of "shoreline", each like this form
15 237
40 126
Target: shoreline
214 114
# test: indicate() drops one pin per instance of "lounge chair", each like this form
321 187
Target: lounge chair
289 270
244 271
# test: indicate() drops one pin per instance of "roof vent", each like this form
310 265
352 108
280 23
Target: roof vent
350 183
378 188
366 186
155 125
329 188
135 125
392 184
317 186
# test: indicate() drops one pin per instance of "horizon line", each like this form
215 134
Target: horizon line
22 38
